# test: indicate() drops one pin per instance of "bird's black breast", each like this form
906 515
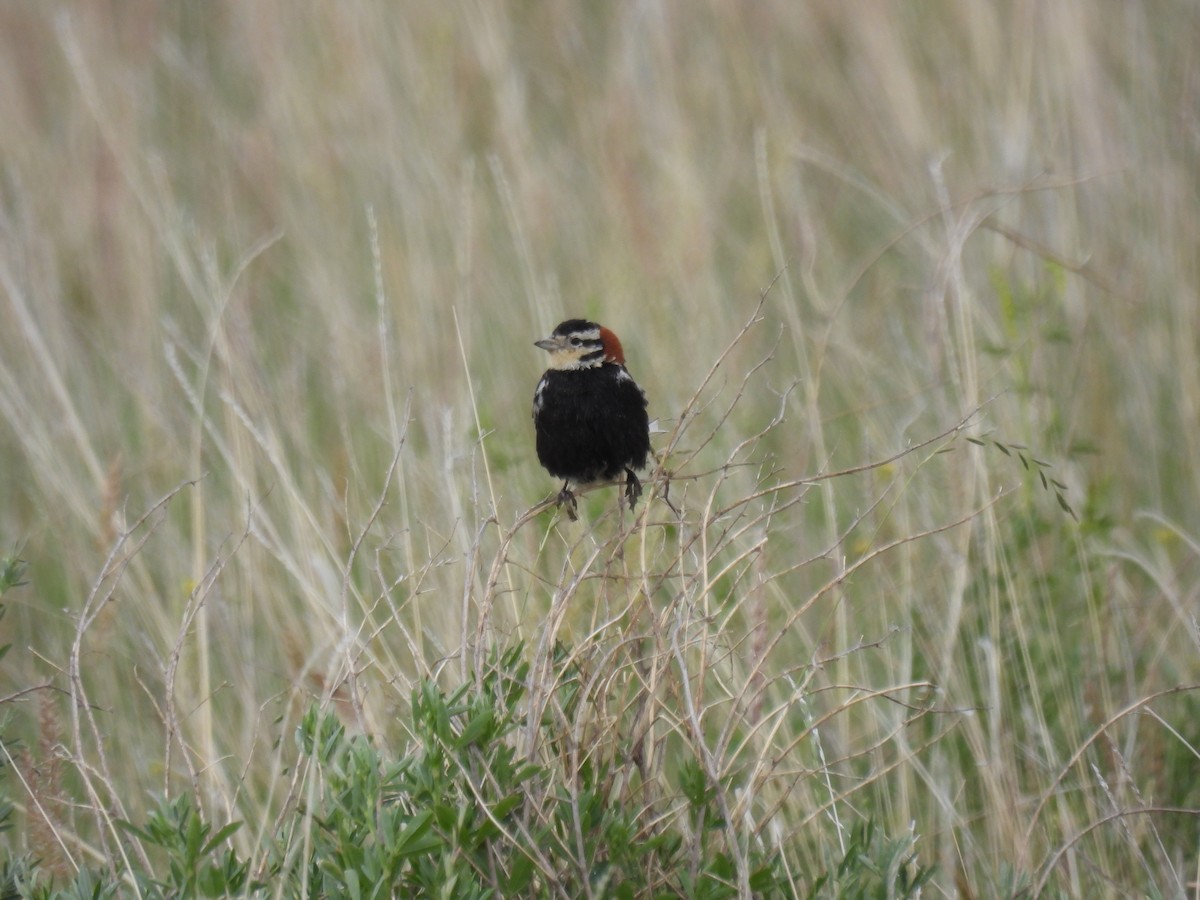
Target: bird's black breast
590 423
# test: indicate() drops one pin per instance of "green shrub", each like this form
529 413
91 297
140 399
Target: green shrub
465 813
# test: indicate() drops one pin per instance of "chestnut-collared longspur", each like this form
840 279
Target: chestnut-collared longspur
588 412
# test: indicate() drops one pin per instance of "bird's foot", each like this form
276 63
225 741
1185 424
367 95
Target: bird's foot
567 498
633 488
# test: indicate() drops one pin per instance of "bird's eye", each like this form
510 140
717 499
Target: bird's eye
575 342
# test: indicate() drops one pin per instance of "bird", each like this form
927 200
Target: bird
589 415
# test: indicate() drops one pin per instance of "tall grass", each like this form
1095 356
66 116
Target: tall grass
913 292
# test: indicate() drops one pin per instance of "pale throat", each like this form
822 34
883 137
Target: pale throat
571 359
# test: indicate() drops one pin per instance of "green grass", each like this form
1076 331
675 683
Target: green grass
912 293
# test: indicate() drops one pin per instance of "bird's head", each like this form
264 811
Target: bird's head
580 344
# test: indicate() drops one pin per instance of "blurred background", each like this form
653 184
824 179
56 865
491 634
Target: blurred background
264 246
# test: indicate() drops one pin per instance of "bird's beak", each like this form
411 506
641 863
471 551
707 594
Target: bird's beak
548 343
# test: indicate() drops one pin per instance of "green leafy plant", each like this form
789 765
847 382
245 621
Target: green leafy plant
12 574
195 863
463 813
874 865
466 811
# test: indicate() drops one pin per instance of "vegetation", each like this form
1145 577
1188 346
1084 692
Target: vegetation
909 606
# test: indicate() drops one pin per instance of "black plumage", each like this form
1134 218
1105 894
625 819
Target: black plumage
589 414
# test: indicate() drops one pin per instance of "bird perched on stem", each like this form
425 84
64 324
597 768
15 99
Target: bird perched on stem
588 412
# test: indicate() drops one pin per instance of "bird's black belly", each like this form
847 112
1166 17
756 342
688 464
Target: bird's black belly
591 424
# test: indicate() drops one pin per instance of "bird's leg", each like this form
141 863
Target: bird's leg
633 487
565 496
666 494
665 474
